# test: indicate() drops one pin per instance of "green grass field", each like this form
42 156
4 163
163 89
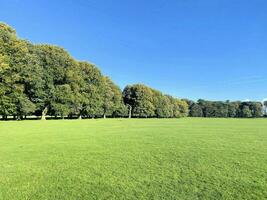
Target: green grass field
134 159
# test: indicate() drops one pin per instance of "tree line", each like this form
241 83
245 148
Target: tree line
42 79
45 80
220 109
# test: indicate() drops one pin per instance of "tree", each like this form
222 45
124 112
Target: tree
233 109
140 98
183 108
14 61
179 107
147 102
196 110
113 101
7 107
61 103
163 106
246 112
87 84
53 64
256 109
129 99
220 109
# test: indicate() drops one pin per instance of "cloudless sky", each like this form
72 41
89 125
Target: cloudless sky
211 49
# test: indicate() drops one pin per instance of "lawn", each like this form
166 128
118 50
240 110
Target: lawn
134 159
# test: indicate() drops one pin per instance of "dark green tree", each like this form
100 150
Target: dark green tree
246 112
196 110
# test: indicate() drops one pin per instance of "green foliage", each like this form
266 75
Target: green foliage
246 112
24 106
13 64
256 109
163 107
113 103
226 109
147 102
45 79
196 110
62 99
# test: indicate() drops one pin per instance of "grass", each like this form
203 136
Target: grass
134 159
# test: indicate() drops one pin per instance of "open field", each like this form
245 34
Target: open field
134 159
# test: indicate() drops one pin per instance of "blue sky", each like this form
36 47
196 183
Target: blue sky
211 49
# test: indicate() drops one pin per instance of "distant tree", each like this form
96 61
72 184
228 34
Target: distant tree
147 102
205 108
189 102
246 112
196 110
140 99
256 109
163 106
233 109
183 108
129 99
144 102
221 109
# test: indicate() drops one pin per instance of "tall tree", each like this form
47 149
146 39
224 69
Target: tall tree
14 62
53 65
140 98
88 88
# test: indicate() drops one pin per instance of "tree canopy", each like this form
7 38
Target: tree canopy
220 109
46 80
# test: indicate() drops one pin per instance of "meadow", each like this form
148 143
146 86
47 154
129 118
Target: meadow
189 158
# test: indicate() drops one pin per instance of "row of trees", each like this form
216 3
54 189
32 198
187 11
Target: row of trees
238 109
147 102
45 80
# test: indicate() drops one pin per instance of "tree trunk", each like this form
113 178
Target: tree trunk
19 117
104 116
130 111
80 117
44 112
